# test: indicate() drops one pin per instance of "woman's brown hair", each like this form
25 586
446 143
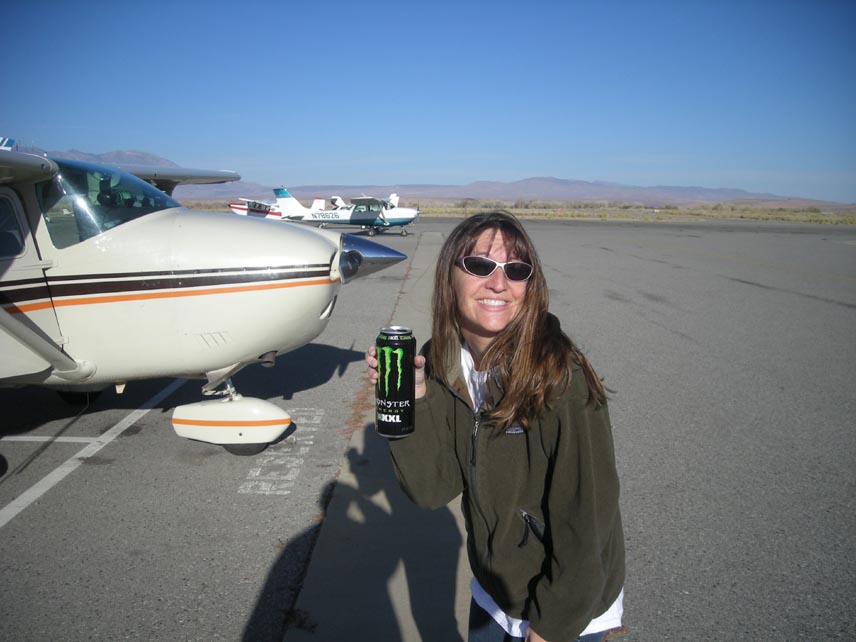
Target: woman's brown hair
531 357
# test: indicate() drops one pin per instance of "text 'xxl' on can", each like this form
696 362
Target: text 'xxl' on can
396 389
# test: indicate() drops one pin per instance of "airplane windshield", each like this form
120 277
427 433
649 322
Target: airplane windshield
84 200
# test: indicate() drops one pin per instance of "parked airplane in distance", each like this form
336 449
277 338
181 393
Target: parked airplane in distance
372 214
105 279
284 207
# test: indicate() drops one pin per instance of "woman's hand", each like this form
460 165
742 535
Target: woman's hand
418 377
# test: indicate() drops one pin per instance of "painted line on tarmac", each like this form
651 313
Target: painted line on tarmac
8 512
54 440
276 470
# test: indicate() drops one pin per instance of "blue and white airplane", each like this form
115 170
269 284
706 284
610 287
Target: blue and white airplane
372 214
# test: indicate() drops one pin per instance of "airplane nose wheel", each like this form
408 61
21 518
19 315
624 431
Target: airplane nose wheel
244 426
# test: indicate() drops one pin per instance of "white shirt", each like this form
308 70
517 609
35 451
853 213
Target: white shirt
476 379
611 619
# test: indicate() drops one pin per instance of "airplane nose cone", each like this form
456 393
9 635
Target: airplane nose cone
360 257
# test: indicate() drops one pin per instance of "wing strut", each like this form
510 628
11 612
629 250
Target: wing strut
64 366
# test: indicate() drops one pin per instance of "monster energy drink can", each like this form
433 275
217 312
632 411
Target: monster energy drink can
396 389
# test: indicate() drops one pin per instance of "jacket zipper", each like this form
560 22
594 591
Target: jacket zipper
475 435
473 463
473 493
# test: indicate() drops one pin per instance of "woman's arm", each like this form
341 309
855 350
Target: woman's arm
425 462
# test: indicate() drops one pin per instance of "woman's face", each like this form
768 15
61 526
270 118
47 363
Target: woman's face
486 305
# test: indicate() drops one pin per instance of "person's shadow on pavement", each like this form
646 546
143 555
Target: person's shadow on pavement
372 528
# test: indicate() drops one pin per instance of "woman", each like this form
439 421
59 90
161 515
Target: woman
511 414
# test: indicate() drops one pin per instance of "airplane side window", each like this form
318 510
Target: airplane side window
85 200
61 210
11 237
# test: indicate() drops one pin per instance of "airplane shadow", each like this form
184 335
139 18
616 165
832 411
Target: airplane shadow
307 367
365 540
30 407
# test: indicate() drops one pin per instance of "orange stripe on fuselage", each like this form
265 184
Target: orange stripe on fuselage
224 424
171 294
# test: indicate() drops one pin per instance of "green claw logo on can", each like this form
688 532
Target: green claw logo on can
385 360
395 390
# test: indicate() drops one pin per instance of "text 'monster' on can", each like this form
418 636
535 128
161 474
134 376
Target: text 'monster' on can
395 392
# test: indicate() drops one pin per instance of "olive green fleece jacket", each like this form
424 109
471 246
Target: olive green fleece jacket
544 534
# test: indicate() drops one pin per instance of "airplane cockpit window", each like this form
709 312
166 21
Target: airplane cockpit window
11 237
84 200
369 206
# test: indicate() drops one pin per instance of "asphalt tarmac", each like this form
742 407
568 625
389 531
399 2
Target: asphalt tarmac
729 348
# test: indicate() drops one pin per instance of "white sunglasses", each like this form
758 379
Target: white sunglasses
483 267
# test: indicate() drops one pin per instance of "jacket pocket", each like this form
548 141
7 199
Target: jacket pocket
531 524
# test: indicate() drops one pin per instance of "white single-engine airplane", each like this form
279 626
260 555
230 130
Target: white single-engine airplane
373 214
284 207
105 279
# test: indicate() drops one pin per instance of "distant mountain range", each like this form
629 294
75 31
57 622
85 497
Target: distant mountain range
547 189
539 188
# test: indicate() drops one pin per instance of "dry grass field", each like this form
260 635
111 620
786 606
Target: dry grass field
792 211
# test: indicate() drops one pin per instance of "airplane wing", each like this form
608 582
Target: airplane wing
166 178
17 167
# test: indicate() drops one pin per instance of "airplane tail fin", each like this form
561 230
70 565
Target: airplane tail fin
290 206
317 205
393 199
338 202
7 144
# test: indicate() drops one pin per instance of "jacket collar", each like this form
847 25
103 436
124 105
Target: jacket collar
458 386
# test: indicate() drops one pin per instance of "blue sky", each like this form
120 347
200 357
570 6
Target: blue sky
753 94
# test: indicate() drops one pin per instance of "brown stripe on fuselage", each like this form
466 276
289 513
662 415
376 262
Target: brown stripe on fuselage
71 291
